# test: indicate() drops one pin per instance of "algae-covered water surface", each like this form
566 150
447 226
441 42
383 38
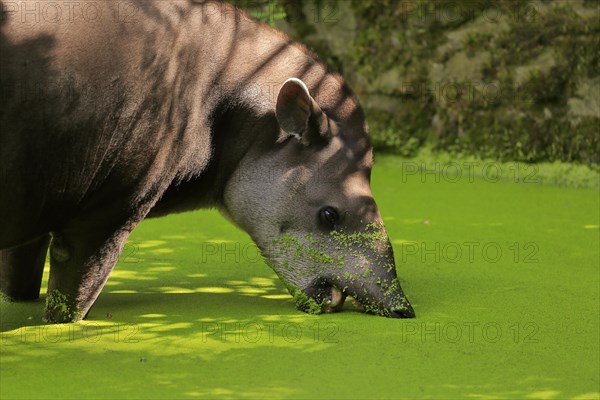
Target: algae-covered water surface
503 276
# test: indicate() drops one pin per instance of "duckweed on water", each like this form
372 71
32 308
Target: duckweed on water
179 346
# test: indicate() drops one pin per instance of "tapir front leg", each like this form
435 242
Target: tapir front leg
80 263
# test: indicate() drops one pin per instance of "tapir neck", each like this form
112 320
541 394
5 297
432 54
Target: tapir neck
241 64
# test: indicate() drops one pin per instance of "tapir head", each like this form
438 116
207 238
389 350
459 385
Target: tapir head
306 202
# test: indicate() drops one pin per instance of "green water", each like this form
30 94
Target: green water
504 279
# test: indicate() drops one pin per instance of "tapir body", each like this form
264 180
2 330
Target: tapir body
112 112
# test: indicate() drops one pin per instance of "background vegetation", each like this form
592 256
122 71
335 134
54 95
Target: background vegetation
509 80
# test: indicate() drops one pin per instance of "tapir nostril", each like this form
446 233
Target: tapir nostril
405 312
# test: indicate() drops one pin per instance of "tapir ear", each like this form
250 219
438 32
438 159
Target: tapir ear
299 114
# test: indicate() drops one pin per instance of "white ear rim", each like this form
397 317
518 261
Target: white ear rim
300 83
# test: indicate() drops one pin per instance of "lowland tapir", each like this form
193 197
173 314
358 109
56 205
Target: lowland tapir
111 112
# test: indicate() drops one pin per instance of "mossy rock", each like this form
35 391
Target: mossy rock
543 55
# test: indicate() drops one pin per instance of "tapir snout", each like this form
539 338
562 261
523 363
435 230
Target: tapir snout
321 270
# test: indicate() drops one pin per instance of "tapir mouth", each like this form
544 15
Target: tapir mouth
332 299
328 296
335 302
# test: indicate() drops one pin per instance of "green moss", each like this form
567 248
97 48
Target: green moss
555 173
372 236
286 245
59 305
266 11
305 303
4 298
523 64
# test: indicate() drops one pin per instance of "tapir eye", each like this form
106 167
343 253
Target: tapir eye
329 217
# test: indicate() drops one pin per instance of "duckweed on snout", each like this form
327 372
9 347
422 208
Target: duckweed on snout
344 259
